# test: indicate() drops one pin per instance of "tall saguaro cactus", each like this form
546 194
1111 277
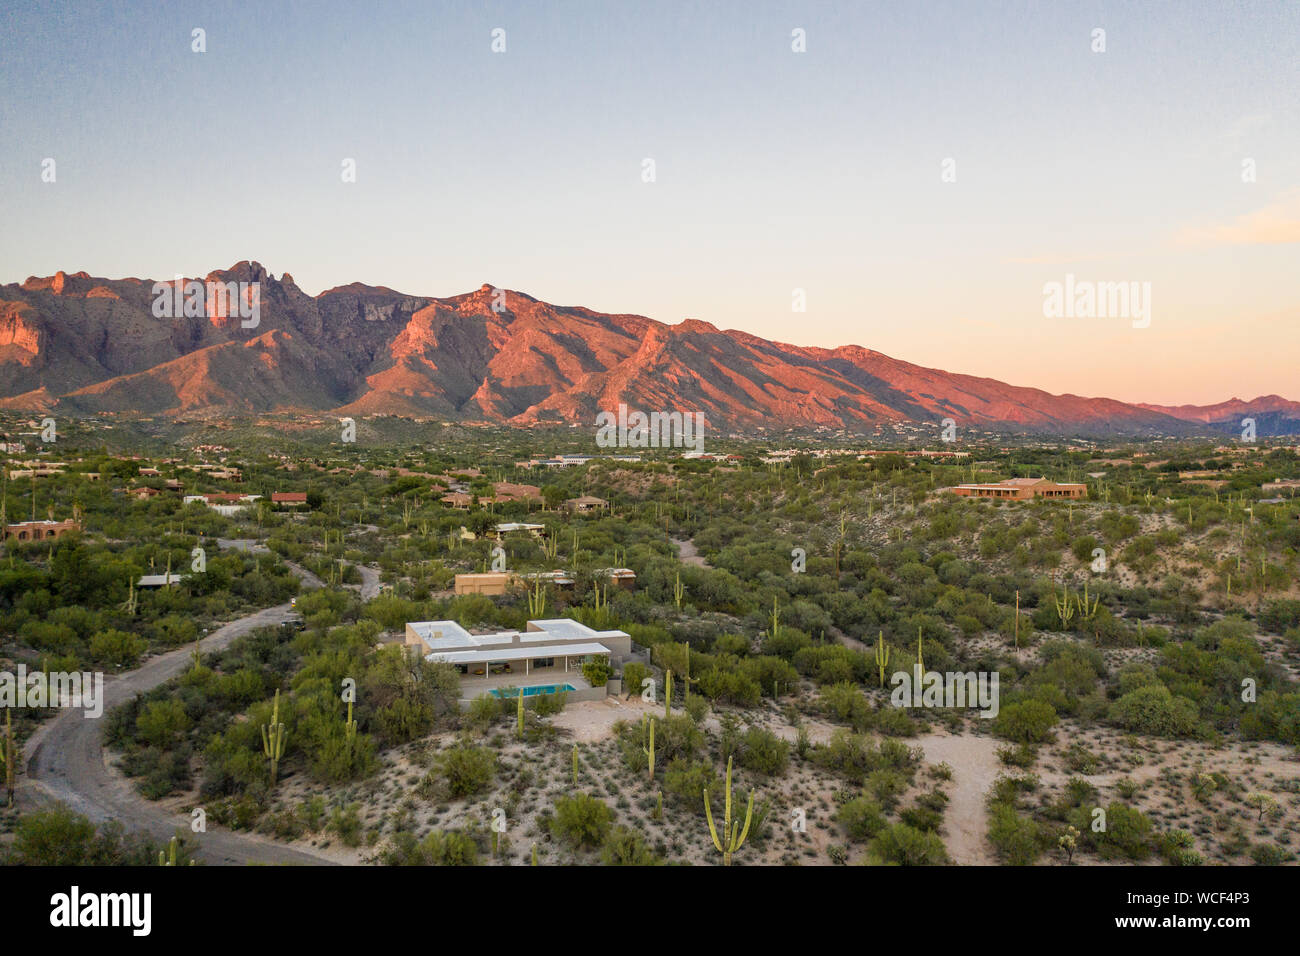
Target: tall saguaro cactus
668 693
9 757
731 839
1064 608
519 713
273 739
1017 632
686 678
649 750
351 726
169 858
882 656
537 599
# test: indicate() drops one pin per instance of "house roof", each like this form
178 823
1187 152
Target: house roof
159 580
450 636
517 653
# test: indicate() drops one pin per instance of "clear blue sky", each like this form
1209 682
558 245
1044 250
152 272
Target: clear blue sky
775 170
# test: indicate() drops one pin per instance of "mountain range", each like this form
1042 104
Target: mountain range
86 345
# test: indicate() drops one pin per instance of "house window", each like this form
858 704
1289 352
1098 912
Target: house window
544 662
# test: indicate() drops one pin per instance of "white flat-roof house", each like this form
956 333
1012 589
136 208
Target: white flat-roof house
548 652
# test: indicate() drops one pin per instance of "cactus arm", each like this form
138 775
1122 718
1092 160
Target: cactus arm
713 832
749 815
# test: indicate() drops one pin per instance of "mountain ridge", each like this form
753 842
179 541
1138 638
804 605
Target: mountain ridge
88 345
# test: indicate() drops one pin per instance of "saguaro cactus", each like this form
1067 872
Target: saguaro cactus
649 750
1087 611
351 725
920 660
882 656
687 680
519 713
731 839
575 765
678 590
668 693
9 757
273 739
1017 620
169 858
1064 609
537 599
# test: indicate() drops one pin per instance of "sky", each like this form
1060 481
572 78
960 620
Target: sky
920 171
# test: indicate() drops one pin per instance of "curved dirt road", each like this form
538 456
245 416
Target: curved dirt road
66 762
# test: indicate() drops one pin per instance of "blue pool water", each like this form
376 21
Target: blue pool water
534 691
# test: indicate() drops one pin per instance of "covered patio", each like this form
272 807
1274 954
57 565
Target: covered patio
522 665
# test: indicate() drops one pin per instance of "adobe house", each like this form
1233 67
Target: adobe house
585 504
509 527
499 582
492 583
40 530
1022 489
560 580
289 499
624 578
503 491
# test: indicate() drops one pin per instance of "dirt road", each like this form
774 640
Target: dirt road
67 762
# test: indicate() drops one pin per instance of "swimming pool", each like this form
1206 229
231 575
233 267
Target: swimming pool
534 691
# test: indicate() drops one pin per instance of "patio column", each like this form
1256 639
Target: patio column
528 666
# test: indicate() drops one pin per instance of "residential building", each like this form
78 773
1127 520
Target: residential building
1022 489
493 583
585 504
549 653
40 530
159 580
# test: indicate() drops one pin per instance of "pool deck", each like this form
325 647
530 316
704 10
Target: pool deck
471 687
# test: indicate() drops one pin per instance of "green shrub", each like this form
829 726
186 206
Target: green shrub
463 770
861 817
581 821
907 846
1152 709
1026 721
763 751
